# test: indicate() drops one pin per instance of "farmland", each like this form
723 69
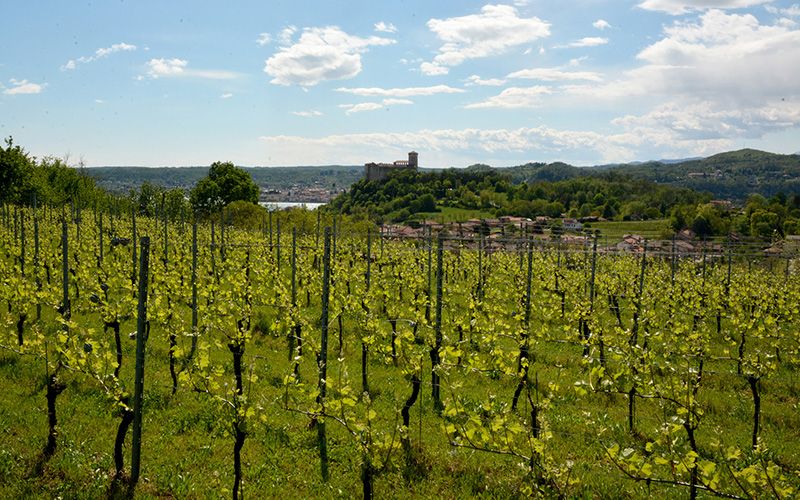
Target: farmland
315 358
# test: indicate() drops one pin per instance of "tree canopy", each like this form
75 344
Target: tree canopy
224 184
15 172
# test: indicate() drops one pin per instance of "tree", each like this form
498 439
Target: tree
15 172
763 223
224 184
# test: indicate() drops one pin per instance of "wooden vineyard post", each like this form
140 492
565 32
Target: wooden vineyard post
222 237
292 333
66 308
364 345
322 360
133 243
278 247
585 332
194 290
100 230
213 249
672 263
22 244
634 342
316 232
138 383
480 267
334 231
54 385
36 259
166 234
270 231
428 281
436 351
523 366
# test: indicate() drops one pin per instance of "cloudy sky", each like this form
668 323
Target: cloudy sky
346 82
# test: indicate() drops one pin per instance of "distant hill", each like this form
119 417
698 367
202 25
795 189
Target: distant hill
123 179
732 175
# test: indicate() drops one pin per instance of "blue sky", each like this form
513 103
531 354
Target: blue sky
316 83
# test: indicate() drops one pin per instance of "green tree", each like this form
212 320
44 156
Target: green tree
224 184
763 223
15 172
244 214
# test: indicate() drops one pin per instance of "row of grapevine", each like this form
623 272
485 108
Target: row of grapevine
568 360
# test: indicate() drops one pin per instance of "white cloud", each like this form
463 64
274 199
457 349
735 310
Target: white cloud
99 101
555 74
729 59
320 54
514 98
492 32
724 57
361 107
117 47
372 106
677 7
792 11
702 121
601 24
470 144
589 41
406 61
286 34
712 81
385 27
392 102
169 68
166 67
20 87
226 95
307 114
263 39
432 69
489 82
98 54
400 92
631 141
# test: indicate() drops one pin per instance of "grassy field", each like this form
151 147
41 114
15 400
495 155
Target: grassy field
452 214
613 231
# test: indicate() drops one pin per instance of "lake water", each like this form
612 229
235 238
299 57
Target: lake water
280 205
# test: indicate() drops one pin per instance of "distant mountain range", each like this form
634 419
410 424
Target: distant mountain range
732 175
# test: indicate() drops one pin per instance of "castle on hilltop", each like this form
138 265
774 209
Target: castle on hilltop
379 171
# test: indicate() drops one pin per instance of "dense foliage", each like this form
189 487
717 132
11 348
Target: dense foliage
610 195
50 180
406 192
224 184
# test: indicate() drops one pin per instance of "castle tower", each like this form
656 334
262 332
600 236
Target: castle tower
413 158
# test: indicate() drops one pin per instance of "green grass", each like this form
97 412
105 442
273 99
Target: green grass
452 214
187 447
613 231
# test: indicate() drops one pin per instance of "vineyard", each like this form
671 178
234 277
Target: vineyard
310 358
